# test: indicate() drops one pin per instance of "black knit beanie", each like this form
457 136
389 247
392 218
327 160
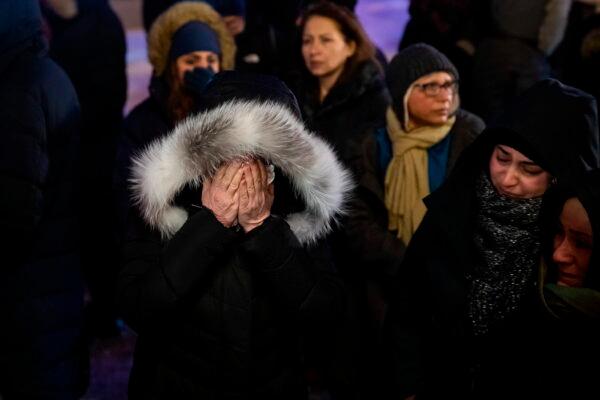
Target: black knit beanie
411 64
230 85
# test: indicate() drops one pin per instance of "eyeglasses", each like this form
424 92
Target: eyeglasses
433 89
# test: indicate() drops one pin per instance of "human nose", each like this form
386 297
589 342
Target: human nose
562 251
202 63
511 177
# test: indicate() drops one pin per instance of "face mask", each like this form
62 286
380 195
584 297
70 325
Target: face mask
196 80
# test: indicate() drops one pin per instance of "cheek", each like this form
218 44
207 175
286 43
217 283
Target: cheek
495 171
182 69
583 260
536 186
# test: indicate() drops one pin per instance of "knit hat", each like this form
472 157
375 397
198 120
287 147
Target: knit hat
228 7
229 85
411 64
194 36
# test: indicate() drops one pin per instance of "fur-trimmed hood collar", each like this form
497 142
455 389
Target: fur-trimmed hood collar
162 30
195 149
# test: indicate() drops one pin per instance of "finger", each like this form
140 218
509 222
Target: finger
230 173
264 176
250 181
243 194
255 173
235 181
220 172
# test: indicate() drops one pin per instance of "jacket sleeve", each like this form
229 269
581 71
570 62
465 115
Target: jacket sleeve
156 278
301 280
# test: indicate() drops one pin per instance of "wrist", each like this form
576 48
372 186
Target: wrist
250 225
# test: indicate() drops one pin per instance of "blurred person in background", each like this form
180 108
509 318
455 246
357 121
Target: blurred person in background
43 352
187 45
343 97
87 40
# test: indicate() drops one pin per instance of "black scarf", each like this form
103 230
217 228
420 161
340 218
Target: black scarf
507 242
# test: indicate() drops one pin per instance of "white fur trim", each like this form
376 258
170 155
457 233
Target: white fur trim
195 149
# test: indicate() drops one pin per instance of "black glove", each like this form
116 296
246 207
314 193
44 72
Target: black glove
196 80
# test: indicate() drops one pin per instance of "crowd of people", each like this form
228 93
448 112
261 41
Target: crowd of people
289 214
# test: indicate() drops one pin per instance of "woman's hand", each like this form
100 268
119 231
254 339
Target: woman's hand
221 193
256 196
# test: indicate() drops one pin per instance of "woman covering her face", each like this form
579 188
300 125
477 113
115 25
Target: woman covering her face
457 323
224 269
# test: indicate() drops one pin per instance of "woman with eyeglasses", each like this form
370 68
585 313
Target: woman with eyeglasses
426 132
458 324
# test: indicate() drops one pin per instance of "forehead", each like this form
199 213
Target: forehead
199 54
514 153
576 216
318 24
437 77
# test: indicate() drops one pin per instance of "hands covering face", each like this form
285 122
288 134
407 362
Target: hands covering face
239 193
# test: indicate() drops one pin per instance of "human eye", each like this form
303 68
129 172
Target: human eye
583 244
532 169
306 40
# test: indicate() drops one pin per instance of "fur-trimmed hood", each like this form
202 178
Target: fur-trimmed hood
162 30
195 149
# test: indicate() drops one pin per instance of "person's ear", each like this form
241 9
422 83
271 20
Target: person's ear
351 48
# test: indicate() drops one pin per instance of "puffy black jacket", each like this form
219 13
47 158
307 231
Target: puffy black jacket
41 291
221 314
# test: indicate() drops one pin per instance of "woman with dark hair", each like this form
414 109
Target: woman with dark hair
344 99
569 287
187 44
458 322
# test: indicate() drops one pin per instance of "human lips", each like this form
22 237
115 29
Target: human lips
568 279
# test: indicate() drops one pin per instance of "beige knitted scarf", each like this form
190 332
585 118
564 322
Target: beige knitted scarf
407 179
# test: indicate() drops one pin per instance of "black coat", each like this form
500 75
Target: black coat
222 319
431 344
219 313
90 47
569 318
42 352
347 118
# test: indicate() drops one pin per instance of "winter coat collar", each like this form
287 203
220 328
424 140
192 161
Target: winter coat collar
367 77
195 148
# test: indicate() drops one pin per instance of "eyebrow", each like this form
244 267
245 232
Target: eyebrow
505 152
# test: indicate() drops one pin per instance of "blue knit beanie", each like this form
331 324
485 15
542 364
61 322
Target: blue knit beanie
194 36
